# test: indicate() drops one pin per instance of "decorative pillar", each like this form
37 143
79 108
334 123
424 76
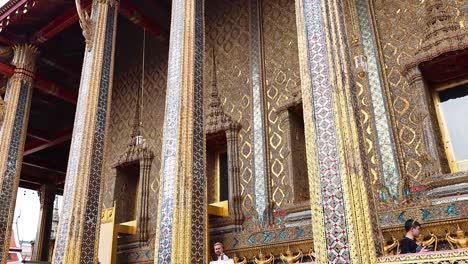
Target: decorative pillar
430 155
47 198
13 135
181 233
79 222
339 199
235 198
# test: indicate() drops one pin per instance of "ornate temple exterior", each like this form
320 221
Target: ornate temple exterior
290 131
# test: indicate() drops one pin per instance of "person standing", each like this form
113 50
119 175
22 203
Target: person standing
408 243
219 251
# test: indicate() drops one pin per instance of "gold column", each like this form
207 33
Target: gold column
47 198
13 135
78 228
339 198
181 232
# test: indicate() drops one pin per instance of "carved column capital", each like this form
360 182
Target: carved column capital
24 58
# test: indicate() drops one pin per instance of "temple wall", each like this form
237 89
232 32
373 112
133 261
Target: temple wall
127 78
282 77
397 36
227 29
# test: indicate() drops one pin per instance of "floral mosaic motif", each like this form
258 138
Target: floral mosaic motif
326 140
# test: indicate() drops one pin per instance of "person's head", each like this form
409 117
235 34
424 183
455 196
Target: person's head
218 248
412 227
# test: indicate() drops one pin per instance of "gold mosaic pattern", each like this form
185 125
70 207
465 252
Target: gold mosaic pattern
227 30
282 77
399 31
122 112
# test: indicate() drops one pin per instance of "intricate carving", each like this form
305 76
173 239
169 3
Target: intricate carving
237 261
263 260
460 241
24 59
216 119
389 248
432 240
444 33
86 24
290 258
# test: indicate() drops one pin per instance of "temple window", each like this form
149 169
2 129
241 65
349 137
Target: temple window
291 114
298 153
222 158
125 195
217 168
451 107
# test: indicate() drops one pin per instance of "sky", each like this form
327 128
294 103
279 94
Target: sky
3 2
455 112
27 214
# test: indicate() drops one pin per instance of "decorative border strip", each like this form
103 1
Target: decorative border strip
171 133
258 131
390 172
199 214
8 189
328 159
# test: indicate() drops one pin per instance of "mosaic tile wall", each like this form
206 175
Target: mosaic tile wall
282 78
405 19
226 25
127 80
227 22
227 29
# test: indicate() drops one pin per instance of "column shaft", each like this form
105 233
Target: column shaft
181 233
47 198
76 240
12 137
339 199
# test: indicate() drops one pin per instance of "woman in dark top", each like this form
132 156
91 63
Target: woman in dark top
407 244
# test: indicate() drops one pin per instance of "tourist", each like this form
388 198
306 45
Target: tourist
219 251
408 243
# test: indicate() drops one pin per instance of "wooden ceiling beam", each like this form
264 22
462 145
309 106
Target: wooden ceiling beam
44 85
38 135
134 14
38 145
58 25
10 14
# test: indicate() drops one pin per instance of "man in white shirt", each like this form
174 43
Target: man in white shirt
219 251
